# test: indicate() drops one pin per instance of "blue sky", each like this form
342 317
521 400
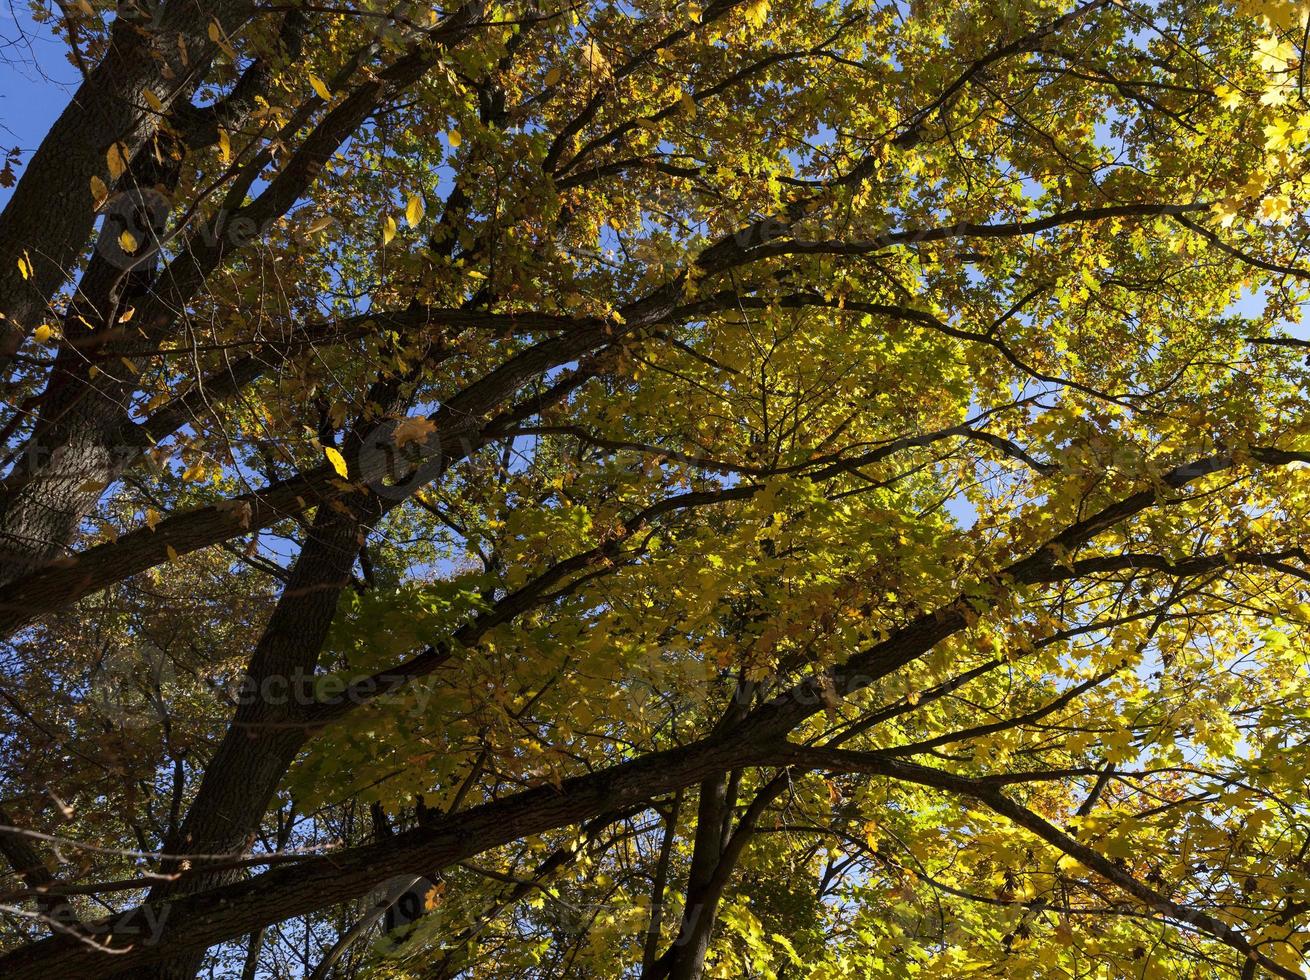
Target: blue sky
36 81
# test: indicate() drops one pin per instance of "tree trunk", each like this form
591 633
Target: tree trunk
265 735
48 220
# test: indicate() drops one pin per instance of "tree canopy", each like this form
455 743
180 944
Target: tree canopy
770 488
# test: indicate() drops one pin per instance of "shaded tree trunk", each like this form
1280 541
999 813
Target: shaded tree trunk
48 220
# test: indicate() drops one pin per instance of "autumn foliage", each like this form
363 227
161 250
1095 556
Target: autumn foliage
777 488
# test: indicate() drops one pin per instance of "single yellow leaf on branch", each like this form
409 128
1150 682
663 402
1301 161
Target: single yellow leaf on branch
116 160
337 460
99 192
414 210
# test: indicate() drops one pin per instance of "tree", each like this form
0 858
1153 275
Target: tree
762 489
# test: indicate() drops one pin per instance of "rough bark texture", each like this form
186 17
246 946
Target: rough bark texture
166 56
84 437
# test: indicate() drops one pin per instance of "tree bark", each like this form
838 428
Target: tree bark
84 437
267 731
48 220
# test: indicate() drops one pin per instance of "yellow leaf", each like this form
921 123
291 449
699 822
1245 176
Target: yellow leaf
172 552
24 267
152 518
152 100
593 59
215 34
454 139
1276 134
224 147
128 241
99 192
336 459
414 210
694 11
552 76
320 89
871 835
117 161
432 898
757 13
1230 98
43 333
388 229
127 314
688 105
1227 212
1276 208
414 428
